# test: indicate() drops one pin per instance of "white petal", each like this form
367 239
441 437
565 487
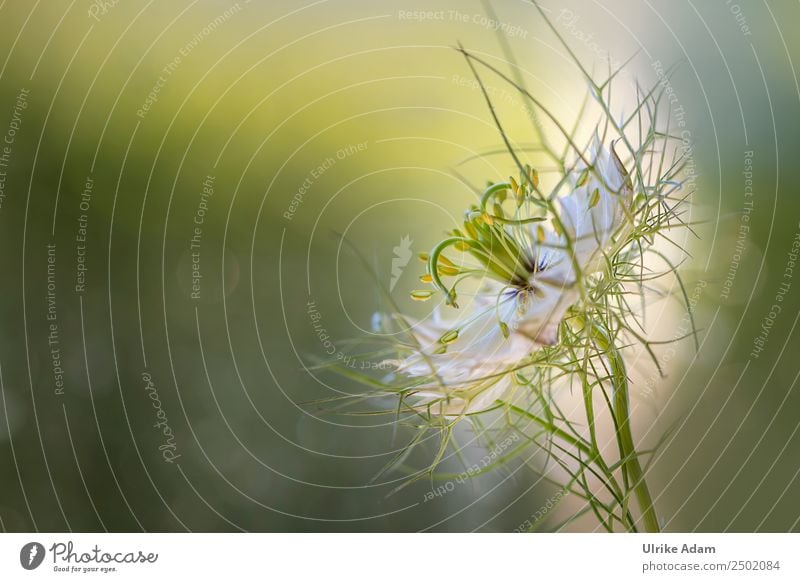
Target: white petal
591 227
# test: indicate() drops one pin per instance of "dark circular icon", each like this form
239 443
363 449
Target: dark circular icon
31 555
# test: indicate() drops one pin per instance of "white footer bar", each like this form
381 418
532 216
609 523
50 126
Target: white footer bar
401 557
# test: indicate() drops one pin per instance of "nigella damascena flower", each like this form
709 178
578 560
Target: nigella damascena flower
526 278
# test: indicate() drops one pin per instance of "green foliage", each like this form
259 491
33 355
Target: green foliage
598 330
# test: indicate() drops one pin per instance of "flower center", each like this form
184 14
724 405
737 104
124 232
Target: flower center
504 246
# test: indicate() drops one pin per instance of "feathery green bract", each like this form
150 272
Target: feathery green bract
599 330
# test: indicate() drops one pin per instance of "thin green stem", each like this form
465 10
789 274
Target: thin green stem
632 466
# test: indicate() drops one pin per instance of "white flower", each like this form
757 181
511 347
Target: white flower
528 284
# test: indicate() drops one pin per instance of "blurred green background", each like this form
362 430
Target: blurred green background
240 142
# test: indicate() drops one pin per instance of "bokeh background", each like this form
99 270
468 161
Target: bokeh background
234 146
